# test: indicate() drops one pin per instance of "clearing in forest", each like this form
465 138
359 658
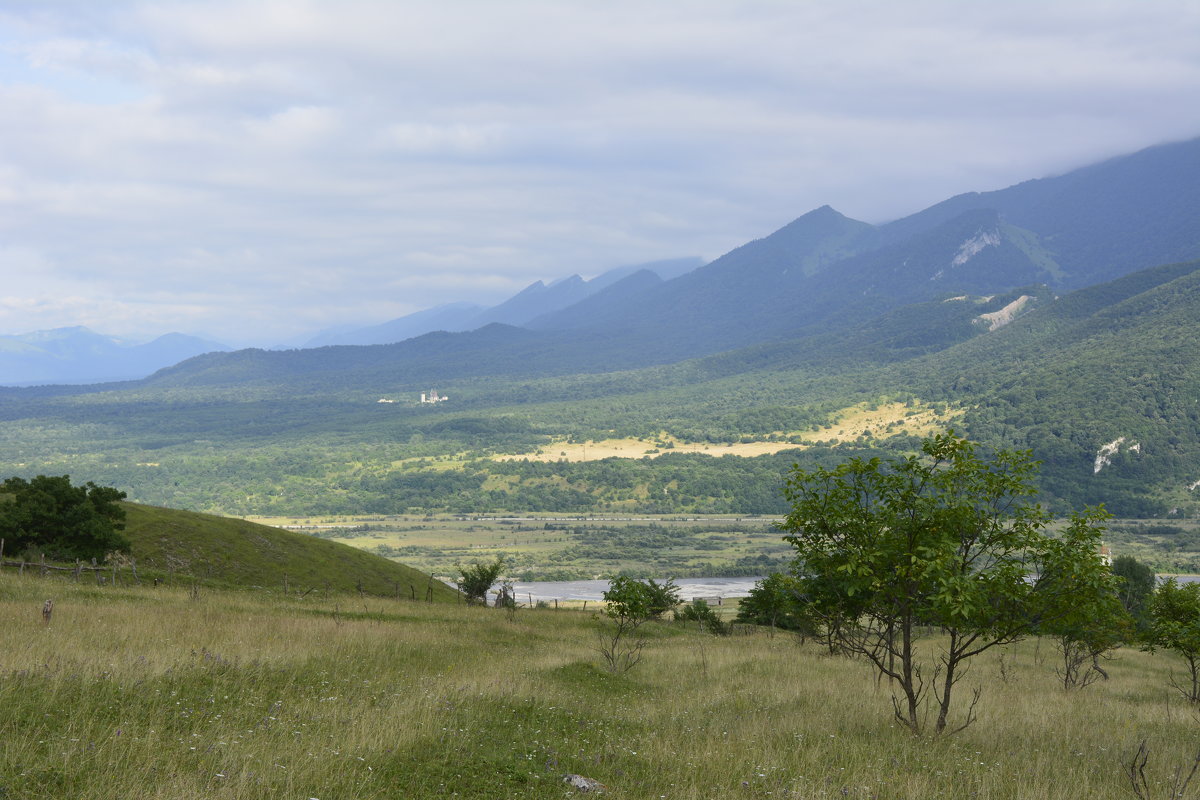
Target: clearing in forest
869 420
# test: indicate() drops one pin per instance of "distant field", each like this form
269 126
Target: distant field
558 547
862 420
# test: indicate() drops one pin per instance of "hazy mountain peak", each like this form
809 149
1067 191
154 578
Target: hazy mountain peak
76 354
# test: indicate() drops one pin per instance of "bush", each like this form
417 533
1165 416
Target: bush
475 581
628 604
700 612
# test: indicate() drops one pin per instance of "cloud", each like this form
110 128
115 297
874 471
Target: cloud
259 169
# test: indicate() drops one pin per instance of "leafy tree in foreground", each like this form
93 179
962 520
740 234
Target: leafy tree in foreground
475 581
946 539
1175 625
49 515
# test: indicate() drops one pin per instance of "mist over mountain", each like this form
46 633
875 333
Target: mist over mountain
533 302
77 355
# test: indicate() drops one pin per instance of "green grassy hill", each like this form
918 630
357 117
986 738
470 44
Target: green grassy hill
234 552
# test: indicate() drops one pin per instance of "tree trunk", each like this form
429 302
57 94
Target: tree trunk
947 688
911 692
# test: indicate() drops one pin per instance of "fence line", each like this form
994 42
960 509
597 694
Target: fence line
78 569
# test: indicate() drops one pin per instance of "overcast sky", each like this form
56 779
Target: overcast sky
256 171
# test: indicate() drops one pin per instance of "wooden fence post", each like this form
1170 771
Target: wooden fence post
43 565
1 554
47 610
96 572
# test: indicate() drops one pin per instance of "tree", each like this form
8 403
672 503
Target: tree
945 539
706 619
1135 590
778 601
1090 627
475 580
628 604
49 515
1175 625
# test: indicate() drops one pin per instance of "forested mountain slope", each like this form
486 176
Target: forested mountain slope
1103 385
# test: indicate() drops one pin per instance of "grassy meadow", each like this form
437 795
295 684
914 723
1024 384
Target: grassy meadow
135 692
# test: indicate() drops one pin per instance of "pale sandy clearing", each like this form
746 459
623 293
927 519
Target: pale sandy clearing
852 422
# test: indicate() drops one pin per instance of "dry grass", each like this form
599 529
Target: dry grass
138 693
879 421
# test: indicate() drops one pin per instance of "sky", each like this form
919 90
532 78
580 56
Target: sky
254 172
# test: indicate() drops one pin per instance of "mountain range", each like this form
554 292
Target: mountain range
1056 315
818 276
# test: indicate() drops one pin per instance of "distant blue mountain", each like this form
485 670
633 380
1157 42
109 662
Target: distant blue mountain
78 355
534 301
448 317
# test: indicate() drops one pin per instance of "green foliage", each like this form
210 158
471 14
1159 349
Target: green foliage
639 600
51 516
1135 589
628 604
704 616
947 539
475 580
778 601
1094 622
1175 625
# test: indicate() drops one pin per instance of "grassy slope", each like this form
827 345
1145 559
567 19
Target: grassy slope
235 552
142 693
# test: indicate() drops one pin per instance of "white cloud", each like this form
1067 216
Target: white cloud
254 168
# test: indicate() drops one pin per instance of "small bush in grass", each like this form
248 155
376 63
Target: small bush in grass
628 604
700 612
